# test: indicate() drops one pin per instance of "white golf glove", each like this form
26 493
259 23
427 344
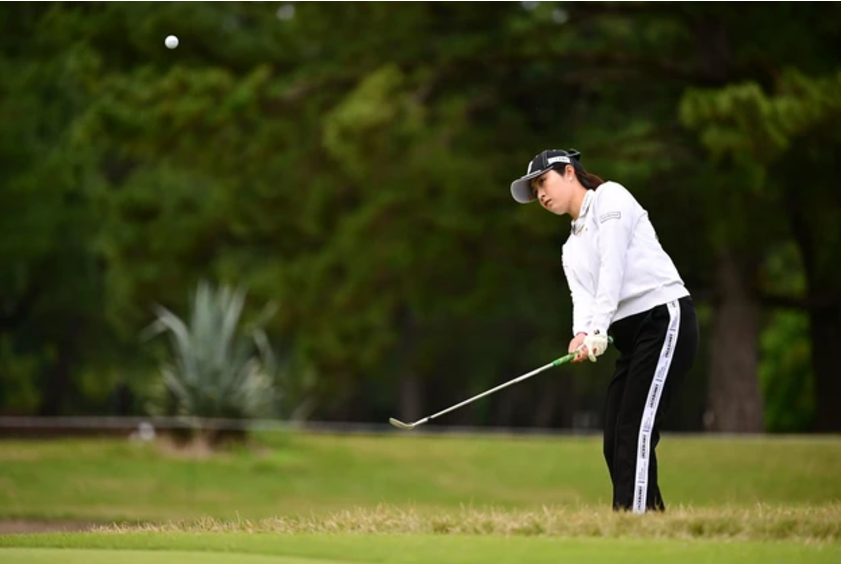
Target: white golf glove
596 344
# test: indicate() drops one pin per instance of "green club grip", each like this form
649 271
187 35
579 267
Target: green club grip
570 356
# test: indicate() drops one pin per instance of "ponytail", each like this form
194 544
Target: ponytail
587 179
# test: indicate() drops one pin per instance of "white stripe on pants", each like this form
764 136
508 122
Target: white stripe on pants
651 403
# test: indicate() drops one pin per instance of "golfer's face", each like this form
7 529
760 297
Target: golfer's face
552 192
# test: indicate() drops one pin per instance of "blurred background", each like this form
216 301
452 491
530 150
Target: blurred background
302 213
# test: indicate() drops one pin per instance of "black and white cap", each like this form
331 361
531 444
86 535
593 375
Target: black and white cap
545 161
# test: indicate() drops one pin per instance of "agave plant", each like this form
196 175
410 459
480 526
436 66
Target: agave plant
216 368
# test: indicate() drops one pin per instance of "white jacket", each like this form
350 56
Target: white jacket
613 261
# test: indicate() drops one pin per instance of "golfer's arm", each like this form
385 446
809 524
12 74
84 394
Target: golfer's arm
582 303
613 218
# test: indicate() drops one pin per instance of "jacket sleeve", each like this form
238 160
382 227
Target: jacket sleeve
614 214
582 302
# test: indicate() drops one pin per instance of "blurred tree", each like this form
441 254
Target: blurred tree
50 274
748 216
784 140
352 164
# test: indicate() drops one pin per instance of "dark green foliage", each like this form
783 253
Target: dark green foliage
350 162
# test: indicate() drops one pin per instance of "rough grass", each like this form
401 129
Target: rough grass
759 523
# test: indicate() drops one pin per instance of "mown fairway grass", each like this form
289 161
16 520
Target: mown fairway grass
241 548
317 474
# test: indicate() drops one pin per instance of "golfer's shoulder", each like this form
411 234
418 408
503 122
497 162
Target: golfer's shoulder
614 194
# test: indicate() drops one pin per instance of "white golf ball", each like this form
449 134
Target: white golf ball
171 41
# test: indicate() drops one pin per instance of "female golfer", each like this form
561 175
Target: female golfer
624 285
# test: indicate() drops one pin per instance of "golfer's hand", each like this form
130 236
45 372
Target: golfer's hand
597 343
577 344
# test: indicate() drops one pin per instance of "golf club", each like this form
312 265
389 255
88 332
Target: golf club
558 362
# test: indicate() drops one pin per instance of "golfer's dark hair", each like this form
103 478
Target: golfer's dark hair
587 179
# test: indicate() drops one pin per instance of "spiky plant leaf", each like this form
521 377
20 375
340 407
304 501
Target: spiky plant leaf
216 369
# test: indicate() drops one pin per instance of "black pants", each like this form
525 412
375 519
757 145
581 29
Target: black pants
657 348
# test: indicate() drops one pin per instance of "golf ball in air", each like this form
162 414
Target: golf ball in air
171 41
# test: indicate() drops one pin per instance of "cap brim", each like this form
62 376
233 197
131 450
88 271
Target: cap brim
521 188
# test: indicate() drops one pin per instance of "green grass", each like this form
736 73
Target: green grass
406 498
244 548
300 474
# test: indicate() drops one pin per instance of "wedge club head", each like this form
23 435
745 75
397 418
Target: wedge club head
401 425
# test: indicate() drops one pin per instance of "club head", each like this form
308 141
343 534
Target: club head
400 424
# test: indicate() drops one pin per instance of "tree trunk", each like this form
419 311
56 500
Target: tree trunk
411 384
825 333
735 402
824 311
411 395
547 404
59 380
554 408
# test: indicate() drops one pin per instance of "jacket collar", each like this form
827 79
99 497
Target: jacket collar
578 225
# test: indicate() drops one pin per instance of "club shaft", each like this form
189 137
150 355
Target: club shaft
483 394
